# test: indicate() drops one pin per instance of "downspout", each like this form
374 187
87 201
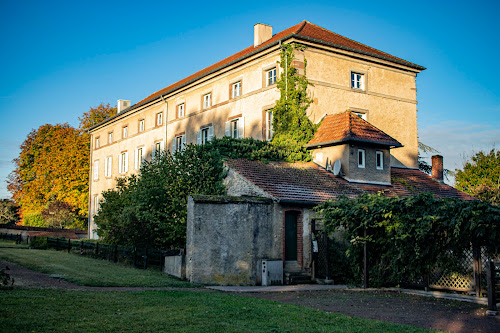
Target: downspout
90 189
166 117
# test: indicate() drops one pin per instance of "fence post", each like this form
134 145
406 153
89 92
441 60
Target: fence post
115 254
491 281
81 248
477 267
365 263
135 255
97 248
69 245
57 244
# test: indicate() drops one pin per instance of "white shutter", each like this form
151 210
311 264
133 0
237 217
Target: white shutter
183 142
241 127
162 145
210 133
126 162
120 163
198 137
106 167
136 159
110 166
153 151
174 145
96 170
227 128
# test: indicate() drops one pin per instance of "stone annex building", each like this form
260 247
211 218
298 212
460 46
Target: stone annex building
366 98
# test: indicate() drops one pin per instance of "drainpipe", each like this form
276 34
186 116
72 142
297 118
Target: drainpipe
89 231
165 121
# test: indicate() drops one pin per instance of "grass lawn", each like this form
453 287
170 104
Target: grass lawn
168 311
87 271
11 243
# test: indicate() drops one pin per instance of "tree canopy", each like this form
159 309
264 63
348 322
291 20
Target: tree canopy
96 115
481 177
9 212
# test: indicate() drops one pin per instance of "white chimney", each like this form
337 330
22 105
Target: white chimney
261 33
122 104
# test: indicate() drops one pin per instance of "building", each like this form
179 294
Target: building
233 97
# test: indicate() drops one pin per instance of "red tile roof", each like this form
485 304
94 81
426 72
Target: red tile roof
305 31
347 126
309 183
299 182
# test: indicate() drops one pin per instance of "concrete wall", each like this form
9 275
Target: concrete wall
368 174
226 237
176 266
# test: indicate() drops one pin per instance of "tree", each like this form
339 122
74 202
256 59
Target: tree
9 211
292 127
53 165
96 115
481 177
60 214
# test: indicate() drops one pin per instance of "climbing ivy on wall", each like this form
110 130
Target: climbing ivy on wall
292 127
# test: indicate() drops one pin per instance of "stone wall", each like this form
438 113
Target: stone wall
227 237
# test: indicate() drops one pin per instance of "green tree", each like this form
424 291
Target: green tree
292 127
481 177
9 211
96 115
60 214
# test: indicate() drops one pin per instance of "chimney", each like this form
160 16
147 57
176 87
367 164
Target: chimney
261 33
437 168
121 105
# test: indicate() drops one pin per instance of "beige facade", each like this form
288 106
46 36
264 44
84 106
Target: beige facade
239 90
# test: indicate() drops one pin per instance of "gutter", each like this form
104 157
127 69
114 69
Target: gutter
331 143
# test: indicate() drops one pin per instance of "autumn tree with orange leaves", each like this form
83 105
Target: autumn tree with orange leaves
52 170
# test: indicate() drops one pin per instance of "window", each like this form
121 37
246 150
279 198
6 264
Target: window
361 115
124 132
139 157
95 207
179 142
361 158
110 137
207 101
159 118
357 81
271 76
380 160
141 125
235 128
204 135
108 163
236 89
123 162
97 143
180 110
269 125
158 147
96 170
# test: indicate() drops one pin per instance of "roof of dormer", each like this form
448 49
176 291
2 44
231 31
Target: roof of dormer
348 127
305 31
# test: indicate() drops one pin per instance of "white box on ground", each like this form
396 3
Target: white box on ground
272 272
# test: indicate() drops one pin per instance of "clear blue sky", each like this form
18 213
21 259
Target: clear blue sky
61 57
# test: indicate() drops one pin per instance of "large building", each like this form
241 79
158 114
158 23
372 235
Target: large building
233 97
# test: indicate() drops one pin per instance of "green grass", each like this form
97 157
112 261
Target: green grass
11 243
88 271
168 311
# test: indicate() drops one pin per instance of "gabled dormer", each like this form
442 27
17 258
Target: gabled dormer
353 148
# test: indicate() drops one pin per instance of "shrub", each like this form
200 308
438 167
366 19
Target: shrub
39 243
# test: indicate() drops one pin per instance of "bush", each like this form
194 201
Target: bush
39 243
33 219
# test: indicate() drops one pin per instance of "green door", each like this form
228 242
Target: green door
290 236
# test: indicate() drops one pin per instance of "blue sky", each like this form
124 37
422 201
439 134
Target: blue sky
61 57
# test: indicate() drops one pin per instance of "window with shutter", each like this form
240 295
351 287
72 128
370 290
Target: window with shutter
96 170
107 166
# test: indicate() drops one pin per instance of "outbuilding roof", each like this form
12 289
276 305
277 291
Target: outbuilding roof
347 126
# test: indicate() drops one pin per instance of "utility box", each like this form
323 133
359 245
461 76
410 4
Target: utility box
272 272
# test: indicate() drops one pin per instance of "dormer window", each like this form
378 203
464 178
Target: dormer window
380 160
361 158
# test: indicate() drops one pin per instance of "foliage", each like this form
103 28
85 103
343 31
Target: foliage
426 167
53 165
6 282
292 127
96 115
60 214
39 243
247 148
481 177
33 220
9 211
408 237
149 210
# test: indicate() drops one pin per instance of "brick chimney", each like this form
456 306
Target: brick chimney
261 33
437 168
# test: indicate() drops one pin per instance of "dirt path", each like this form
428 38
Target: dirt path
385 306
394 307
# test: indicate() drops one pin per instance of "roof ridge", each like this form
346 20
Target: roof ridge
302 26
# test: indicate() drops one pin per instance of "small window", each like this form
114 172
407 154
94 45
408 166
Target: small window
361 115
97 143
236 89
179 143
159 118
180 110
110 137
157 149
207 101
361 158
205 135
108 163
271 76
95 204
357 81
96 170
235 128
139 157
269 125
124 132
141 125
123 163
380 160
